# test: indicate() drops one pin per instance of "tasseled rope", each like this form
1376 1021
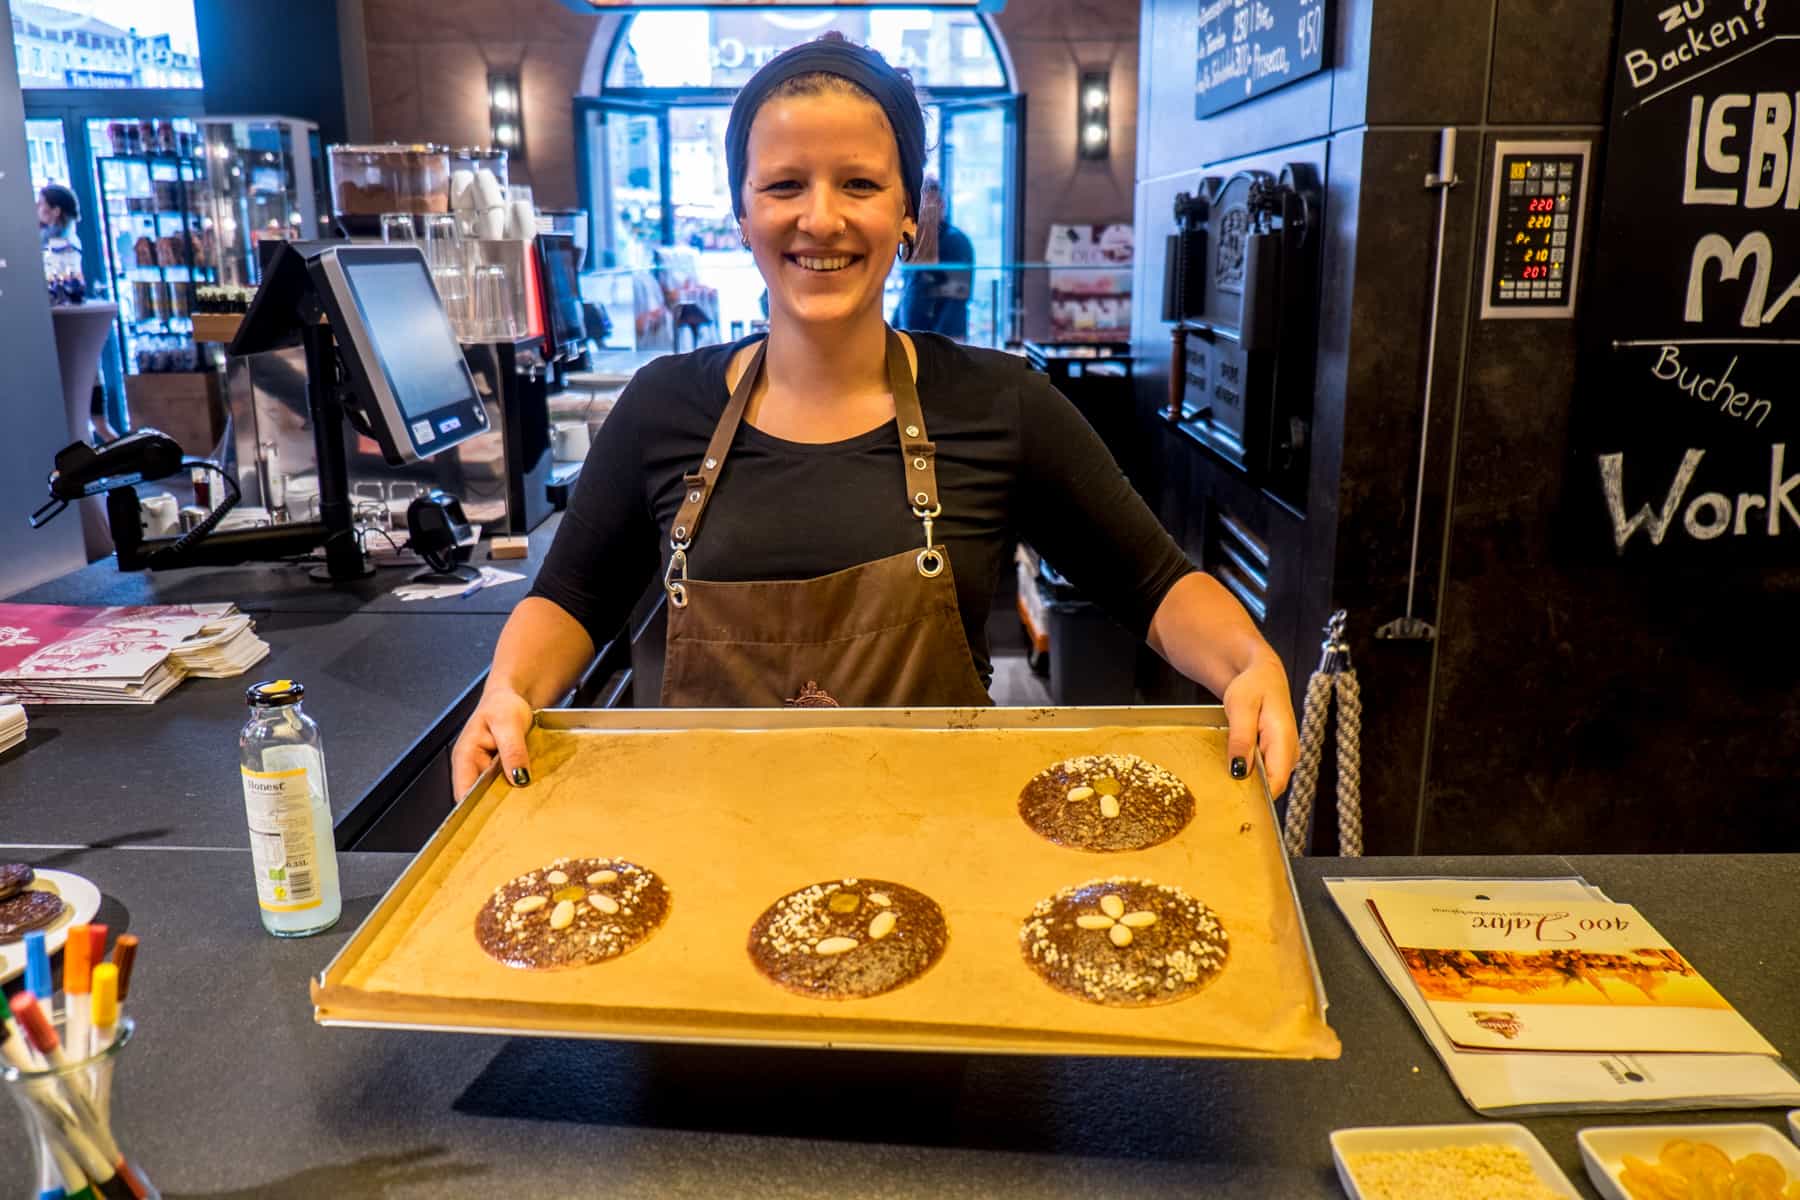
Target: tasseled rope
1333 676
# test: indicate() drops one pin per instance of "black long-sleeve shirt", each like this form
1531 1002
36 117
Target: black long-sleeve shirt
1014 461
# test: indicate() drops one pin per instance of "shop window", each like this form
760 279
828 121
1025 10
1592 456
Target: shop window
941 49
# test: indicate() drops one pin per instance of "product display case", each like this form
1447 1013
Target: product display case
264 176
158 229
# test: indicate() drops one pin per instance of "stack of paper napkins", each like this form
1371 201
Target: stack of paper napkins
12 723
57 654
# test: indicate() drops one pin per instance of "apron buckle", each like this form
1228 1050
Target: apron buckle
677 588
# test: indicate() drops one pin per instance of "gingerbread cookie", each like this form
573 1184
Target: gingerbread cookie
27 911
848 938
1124 943
1106 802
14 878
572 913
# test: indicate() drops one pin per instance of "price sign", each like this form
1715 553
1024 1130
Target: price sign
1249 47
1534 229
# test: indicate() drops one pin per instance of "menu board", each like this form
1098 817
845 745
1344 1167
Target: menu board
1687 423
1250 47
1538 203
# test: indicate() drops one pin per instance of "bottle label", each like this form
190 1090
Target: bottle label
279 805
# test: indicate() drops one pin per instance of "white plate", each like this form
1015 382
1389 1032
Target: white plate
1345 1142
81 901
1794 1124
1603 1150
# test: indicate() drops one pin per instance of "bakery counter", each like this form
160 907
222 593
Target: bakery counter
388 692
286 587
230 1090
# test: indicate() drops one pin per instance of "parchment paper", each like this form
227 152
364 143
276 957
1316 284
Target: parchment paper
732 820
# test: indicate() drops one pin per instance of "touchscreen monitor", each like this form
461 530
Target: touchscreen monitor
401 353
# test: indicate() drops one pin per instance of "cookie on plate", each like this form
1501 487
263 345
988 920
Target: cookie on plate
1106 802
846 939
1124 943
14 878
572 913
27 911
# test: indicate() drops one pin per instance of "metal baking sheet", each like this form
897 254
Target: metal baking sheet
735 807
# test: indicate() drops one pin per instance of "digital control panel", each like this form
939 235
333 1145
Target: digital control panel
1534 229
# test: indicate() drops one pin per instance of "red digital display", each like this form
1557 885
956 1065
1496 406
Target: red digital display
1534 230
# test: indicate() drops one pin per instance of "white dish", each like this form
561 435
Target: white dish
1389 1138
1603 1150
81 901
1794 1124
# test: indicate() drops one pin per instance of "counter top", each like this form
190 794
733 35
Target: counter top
230 1090
284 587
166 774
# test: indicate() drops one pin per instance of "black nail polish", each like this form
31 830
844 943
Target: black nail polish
520 777
1239 768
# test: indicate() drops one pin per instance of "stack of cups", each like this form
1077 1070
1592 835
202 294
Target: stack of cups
444 252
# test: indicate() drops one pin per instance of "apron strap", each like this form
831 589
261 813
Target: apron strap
699 484
916 447
918 452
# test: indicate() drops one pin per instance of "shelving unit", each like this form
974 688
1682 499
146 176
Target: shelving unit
160 241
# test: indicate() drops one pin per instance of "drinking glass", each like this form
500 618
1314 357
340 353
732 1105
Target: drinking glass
398 227
68 1115
491 295
453 289
443 241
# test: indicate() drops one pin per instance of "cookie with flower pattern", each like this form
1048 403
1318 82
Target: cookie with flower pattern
1124 943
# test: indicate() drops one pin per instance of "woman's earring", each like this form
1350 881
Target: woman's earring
744 238
907 242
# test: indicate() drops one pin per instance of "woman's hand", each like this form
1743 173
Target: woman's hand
1262 715
496 728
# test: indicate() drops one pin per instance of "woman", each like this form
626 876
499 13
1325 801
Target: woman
787 488
57 213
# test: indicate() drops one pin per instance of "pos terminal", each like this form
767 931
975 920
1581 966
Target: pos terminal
380 352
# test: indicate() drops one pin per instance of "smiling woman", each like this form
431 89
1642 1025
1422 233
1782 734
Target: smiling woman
830 506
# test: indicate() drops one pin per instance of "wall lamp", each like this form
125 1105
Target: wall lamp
506 115
1095 107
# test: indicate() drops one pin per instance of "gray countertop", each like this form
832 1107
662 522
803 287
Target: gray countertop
167 773
230 1090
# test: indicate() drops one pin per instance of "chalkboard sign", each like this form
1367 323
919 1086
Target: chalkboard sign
1251 47
1687 430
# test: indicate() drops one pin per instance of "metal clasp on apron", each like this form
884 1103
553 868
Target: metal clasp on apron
931 559
677 588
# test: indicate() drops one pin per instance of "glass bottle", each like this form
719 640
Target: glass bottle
289 810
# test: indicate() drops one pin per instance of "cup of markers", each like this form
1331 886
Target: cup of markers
57 1064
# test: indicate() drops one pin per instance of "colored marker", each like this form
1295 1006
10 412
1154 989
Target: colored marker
78 967
37 966
105 1027
124 955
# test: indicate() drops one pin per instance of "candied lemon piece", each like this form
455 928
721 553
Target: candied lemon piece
1709 1157
844 902
573 892
1760 1167
1678 1155
1753 1189
1106 785
1792 1192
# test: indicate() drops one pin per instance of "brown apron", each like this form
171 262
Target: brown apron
886 633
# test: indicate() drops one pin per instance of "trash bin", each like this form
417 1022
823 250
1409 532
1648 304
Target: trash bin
1093 659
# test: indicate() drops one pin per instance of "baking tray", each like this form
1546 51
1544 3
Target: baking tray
736 807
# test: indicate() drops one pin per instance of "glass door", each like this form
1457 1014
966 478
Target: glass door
979 164
629 158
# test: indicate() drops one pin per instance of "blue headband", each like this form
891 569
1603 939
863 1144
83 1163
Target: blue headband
861 66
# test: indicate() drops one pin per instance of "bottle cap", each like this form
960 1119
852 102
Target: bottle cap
274 692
